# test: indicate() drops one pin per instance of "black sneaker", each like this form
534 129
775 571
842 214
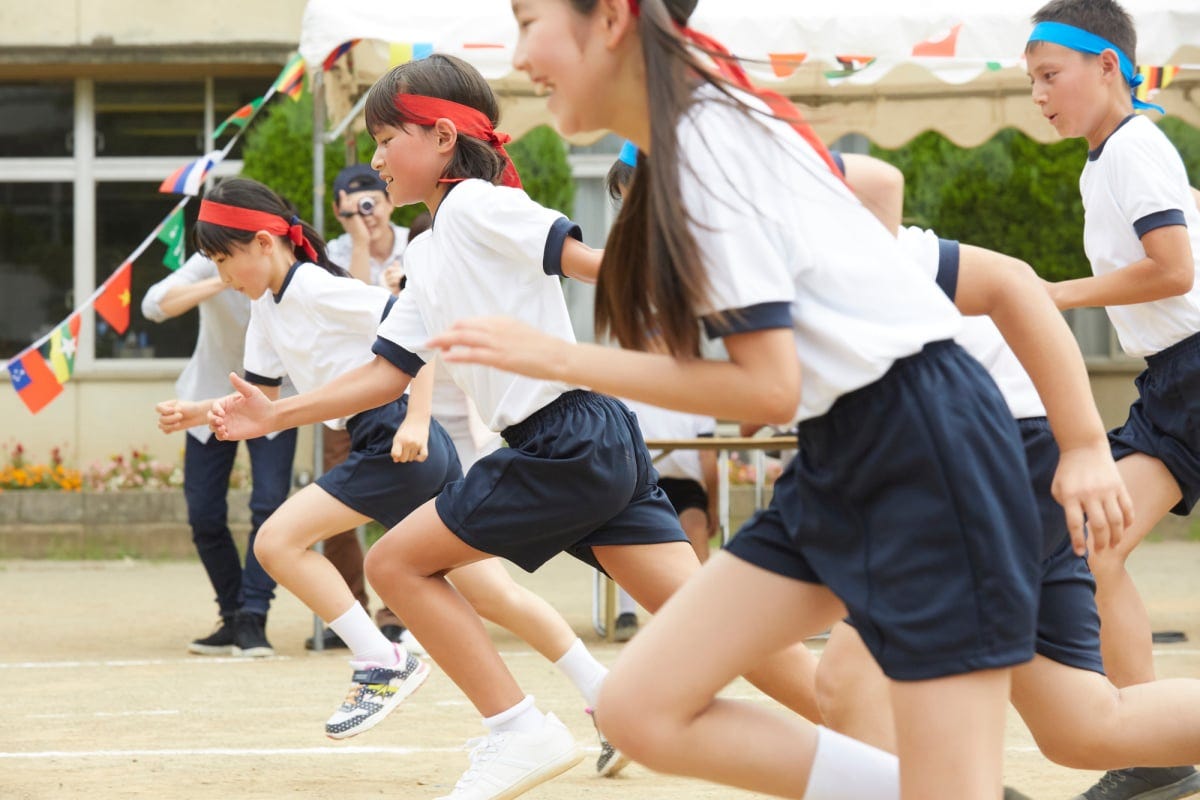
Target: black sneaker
1145 783
217 643
329 641
249 636
625 627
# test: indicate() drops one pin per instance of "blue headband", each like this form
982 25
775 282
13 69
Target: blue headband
629 154
1085 42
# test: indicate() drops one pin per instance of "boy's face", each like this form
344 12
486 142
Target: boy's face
1069 87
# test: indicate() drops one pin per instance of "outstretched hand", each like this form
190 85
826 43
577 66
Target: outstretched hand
503 343
246 414
179 415
1087 484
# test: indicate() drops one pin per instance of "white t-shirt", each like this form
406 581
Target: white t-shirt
1133 183
786 243
316 329
220 342
486 254
661 423
979 336
340 249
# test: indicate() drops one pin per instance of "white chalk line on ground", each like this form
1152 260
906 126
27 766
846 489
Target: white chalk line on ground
197 660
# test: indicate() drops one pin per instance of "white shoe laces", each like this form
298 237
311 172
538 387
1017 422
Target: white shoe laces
483 749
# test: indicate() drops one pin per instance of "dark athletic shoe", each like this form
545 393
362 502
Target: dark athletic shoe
1145 783
217 643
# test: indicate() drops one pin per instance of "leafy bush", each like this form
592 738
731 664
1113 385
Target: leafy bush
19 473
1010 194
278 152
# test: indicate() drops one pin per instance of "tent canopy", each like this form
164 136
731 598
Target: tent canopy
884 69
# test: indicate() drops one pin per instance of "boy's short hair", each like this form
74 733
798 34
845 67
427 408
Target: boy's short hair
1104 18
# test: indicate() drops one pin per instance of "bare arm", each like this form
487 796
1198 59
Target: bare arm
360 238
411 441
1086 481
251 413
879 186
180 299
580 261
1167 271
179 415
763 365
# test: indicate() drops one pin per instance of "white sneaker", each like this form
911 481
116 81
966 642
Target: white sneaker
374 693
507 764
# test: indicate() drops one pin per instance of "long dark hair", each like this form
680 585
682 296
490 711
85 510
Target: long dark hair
447 78
652 282
210 238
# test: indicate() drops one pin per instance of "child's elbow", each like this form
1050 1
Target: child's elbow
778 404
1182 280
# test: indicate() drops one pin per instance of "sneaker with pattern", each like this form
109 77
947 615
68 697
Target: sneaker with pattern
376 690
507 764
1145 783
611 760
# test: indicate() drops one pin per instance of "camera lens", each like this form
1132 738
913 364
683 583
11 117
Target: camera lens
366 205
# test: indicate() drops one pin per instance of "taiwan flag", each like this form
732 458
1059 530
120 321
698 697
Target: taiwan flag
113 302
33 380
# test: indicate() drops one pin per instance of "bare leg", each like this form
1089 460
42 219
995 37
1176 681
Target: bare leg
1080 720
853 692
283 542
695 525
498 598
676 725
407 568
950 733
1125 626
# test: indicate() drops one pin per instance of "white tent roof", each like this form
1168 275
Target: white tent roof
949 65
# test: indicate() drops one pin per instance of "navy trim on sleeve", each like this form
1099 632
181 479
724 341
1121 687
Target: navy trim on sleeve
758 317
1159 219
406 361
947 274
261 380
391 301
841 162
552 256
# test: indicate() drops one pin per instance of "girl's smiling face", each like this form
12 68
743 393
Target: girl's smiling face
572 58
411 159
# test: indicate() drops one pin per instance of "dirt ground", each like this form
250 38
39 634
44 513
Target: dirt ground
104 702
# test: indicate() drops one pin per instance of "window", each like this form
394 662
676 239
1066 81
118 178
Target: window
36 230
150 119
125 215
36 119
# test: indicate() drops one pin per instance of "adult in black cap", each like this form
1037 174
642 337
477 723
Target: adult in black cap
372 247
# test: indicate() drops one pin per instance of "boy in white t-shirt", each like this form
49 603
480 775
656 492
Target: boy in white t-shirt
1142 237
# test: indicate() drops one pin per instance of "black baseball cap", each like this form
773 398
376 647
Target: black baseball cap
358 178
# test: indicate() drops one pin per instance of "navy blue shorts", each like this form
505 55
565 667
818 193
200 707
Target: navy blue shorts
684 493
1164 422
1068 627
910 499
374 485
575 475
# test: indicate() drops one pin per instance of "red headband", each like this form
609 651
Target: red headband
731 70
247 219
425 110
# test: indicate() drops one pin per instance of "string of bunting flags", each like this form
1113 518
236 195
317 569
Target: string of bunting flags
38 372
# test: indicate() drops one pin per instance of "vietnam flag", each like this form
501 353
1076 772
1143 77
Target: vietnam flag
33 380
113 302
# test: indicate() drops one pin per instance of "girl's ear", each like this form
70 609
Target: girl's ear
445 135
265 242
617 19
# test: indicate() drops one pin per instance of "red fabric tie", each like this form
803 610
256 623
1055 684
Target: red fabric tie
731 70
472 122
247 219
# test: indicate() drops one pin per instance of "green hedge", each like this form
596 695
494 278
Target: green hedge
1011 194
278 152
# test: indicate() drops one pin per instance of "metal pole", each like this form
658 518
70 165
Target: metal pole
317 86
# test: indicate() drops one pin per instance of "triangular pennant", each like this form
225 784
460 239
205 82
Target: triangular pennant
291 78
113 302
59 352
239 118
945 45
34 382
784 65
171 234
337 53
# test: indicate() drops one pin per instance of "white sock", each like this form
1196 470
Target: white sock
625 603
367 644
583 670
524 717
846 769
